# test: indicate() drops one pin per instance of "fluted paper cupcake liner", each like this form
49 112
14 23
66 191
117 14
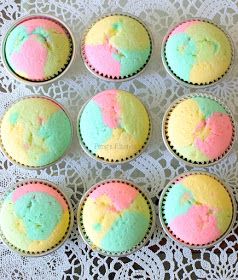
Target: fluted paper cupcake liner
11 159
180 80
106 77
87 240
67 233
57 75
170 147
168 230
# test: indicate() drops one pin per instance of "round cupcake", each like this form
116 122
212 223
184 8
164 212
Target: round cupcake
113 126
197 52
38 48
116 47
196 209
115 218
198 129
35 218
35 132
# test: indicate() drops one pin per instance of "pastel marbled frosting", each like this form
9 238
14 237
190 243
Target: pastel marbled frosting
198 52
199 129
34 217
114 125
38 49
117 46
116 217
35 131
197 209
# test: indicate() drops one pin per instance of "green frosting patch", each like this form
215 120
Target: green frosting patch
13 118
208 106
126 232
15 40
178 201
192 153
131 61
40 213
180 52
92 128
56 133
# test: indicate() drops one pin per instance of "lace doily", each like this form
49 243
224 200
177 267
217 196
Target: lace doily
161 258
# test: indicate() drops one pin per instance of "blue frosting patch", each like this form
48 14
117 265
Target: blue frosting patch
177 202
93 130
40 213
181 55
126 232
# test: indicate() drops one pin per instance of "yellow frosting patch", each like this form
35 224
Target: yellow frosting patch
98 213
55 237
204 72
208 191
179 134
116 28
119 146
140 205
12 227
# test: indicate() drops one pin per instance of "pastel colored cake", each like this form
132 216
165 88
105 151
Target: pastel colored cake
38 49
35 132
116 217
198 52
199 129
114 125
34 218
117 47
197 209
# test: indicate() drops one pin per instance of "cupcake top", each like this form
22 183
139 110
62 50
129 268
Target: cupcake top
34 218
117 47
115 217
198 52
197 209
38 49
35 132
199 129
114 125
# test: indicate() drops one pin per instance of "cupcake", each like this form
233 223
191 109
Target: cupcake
35 132
35 218
113 126
196 209
116 47
198 129
115 218
197 52
38 48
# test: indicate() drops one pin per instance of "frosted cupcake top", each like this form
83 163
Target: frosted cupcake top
199 129
38 49
197 209
35 132
117 46
116 217
198 52
114 125
34 218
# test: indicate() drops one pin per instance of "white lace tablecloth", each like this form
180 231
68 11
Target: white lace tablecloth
161 258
